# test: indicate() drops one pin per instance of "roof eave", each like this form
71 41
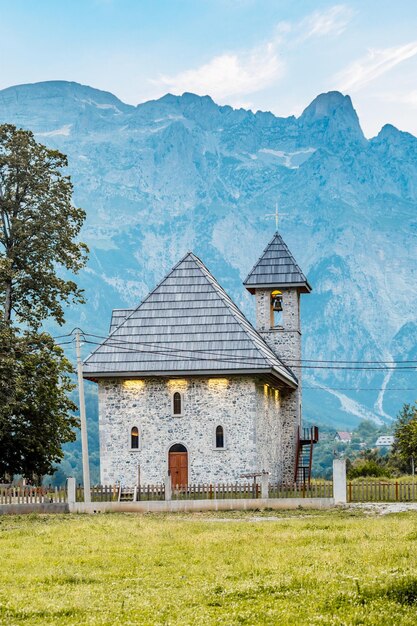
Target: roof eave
281 376
303 287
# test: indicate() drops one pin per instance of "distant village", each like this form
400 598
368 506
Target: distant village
367 440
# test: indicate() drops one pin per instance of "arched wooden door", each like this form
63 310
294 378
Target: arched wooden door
178 464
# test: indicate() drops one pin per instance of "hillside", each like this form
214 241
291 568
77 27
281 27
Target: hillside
182 173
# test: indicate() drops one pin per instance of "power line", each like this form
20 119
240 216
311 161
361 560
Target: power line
190 355
334 364
223 357
210 353
343 367
361 388
185 357
338 361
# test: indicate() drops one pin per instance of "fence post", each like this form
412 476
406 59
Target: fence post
70 491
265 485
168 487
339 481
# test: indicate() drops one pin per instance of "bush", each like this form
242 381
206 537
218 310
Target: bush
367 467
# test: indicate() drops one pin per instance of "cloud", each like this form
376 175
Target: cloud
229 74
320 23
408 98
235 75
374 64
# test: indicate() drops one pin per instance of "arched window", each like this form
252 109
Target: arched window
177 403
276 306
219 437
134 438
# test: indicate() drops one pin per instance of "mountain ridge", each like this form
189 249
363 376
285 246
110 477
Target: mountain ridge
181 172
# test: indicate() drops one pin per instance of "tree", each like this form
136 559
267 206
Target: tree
36 418
38 230
405 433
38 227
368 463
366 431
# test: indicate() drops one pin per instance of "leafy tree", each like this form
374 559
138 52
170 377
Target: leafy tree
36 418
366 431
405 433
38 227
368 463
38 230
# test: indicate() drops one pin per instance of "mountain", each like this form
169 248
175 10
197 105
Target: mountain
182 173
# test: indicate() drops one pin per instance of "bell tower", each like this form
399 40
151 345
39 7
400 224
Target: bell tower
277 283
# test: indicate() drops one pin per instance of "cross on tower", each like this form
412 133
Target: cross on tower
275 215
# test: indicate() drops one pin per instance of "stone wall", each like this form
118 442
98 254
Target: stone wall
285 341
269 431
232 403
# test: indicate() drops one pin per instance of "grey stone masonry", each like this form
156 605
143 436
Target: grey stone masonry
248 410
284 337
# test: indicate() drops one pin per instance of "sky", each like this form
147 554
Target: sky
270 55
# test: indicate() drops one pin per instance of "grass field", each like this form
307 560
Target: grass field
299 568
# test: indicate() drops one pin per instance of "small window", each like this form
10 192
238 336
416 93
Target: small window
177 403
134 438
276 306
219 437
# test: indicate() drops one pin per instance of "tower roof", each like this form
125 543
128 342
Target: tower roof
276 268
186 325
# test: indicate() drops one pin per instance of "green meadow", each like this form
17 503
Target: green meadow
336 567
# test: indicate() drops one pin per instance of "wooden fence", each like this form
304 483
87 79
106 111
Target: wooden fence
151 492
380 491
222 491
111 493
218 491
301 490
155 492
32 495
358 491
99 493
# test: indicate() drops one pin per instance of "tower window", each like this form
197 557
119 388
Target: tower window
219 437
134 438
276 306
177 403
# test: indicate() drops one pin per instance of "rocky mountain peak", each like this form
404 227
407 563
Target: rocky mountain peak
183 173
332 113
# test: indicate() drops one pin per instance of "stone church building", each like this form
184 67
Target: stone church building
187 386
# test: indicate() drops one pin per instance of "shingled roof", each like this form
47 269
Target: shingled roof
186 325
276 268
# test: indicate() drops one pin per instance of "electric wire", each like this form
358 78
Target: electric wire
186 357
193 355
210 353
224 356
360 388
381 363
167 351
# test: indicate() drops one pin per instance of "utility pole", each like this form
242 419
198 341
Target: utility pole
83 420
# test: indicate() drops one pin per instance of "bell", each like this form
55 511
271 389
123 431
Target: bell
276 300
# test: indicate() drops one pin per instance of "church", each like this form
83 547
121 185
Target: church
188 387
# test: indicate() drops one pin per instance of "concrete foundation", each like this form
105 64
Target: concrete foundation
188 506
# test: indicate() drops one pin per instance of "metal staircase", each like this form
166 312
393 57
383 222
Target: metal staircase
306 437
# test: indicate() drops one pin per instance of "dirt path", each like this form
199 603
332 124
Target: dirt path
368 508
383 508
